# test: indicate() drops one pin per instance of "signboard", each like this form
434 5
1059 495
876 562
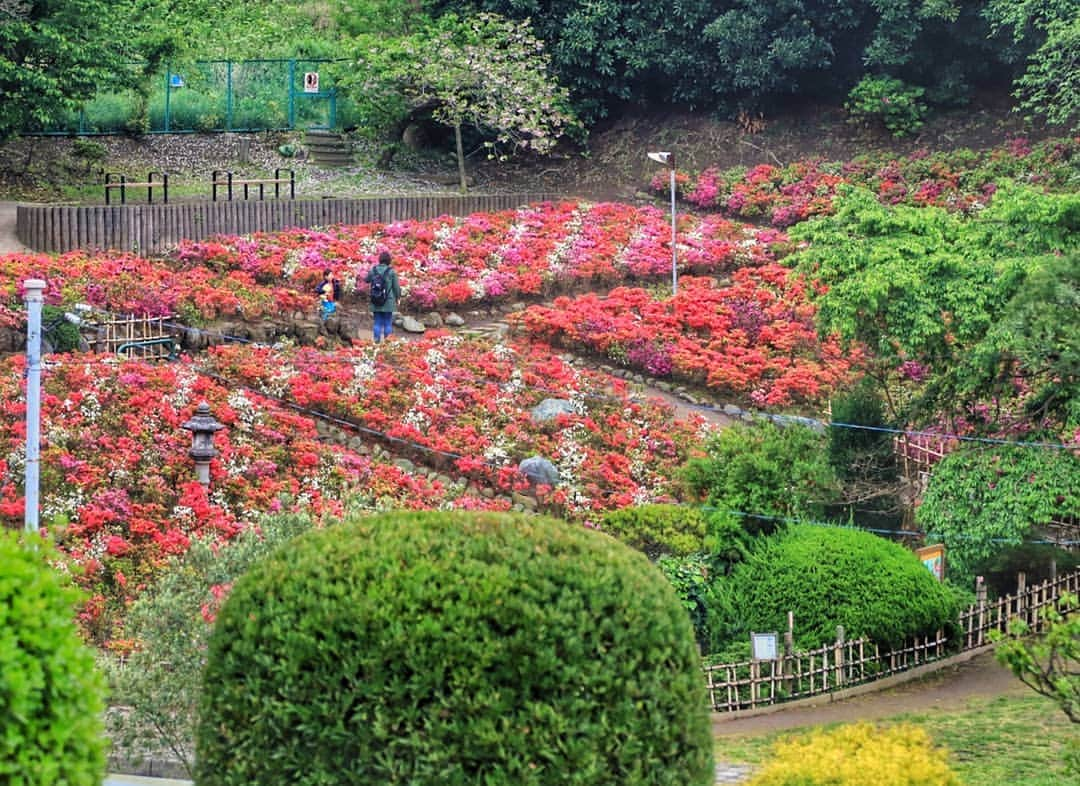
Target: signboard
763 646
933 557
311 82
175 80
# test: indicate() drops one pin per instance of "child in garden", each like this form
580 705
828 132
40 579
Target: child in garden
329 291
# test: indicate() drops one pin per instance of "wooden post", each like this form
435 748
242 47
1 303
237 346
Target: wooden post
789 652
1022 604
980 600
838 660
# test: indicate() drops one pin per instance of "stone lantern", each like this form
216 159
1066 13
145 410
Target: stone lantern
202 426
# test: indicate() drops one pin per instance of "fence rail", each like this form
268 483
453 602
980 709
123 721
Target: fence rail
752 684
152 229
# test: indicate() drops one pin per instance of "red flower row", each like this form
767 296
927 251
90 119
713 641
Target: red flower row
753 338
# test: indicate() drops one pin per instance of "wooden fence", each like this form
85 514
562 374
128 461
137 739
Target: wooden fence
152 229
751 684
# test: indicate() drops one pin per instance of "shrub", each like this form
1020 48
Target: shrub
448 648
1038 561
858 453
829 576
52 696
159 684
886 101
858 754
765 470
658 529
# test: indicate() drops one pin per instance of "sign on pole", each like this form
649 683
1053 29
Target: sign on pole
311 82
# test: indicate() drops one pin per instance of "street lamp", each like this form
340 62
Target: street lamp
202 426
668 159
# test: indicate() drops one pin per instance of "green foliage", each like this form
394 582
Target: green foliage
889 102
1038 561
76 34
449 648
857 754
160 680
857 453
53 696
922 284
1049 663
829 576
60 335
689 577
765 470
979 501
658 530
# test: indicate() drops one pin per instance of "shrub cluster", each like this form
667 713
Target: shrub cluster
446 648
828 577
52 697
658 530
858 754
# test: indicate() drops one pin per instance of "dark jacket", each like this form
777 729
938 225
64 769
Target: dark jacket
393 288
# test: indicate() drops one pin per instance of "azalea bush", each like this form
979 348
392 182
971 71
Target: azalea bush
754 338
960 180
491 257
464 405
117 484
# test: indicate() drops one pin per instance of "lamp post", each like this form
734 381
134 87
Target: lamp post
34 297
202 426
668 158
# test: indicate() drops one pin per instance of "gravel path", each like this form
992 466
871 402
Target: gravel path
9 244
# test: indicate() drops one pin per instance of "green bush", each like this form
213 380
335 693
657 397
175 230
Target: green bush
453 648
883 100
1038 561
52 696
658 529
765 470
159 684
62 336
857 453
829 576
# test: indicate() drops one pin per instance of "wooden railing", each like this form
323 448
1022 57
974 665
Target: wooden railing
758 683
152 229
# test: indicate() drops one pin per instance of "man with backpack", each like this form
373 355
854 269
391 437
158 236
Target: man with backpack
384 293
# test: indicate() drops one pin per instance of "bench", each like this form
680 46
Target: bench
220 177
117 181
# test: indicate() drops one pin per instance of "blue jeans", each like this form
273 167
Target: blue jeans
384 324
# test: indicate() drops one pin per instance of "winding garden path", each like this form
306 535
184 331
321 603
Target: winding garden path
9 244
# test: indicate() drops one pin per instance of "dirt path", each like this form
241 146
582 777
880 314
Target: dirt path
950 688
9 244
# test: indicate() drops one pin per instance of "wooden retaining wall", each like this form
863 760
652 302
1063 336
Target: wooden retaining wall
150 230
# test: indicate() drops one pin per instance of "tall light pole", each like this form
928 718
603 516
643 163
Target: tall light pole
34 297
668 158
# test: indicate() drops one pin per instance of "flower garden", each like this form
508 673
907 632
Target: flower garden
593 280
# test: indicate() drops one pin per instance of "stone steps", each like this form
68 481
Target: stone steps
327 149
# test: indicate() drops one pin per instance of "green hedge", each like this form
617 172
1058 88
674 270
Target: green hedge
453 648
658 530
829 576
52 698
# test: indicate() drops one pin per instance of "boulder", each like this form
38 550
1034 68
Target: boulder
539 471
550 408
454 320
411 325
432 320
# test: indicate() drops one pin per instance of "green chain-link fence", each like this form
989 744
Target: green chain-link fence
217 95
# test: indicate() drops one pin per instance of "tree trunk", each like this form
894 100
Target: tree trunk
460 158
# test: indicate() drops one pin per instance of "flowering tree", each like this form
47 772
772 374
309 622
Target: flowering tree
491 73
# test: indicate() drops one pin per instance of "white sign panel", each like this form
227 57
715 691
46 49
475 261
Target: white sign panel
311 82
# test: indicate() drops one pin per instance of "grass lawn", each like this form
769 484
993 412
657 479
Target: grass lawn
1004 741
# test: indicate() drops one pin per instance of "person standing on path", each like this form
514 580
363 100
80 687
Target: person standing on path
385 291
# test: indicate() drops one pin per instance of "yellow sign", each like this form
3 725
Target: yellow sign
933 557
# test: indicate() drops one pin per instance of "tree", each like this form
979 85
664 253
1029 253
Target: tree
490 73
1049 663
980 501
1047 32
53 56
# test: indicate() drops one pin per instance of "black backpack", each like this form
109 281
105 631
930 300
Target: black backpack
380 290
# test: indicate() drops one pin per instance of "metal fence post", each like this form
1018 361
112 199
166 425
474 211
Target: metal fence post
168 93
292 94
228 95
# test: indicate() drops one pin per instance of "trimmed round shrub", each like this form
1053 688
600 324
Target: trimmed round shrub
453 648
858 754
830 576
658 529
52 699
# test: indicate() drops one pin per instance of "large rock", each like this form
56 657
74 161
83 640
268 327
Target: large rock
432 320
539 471
551 408
454 320
411 325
